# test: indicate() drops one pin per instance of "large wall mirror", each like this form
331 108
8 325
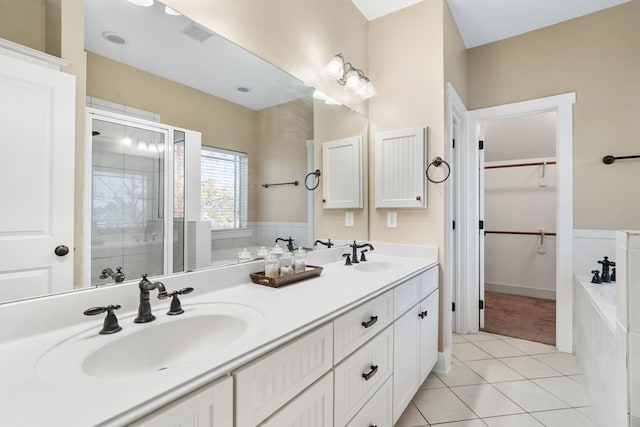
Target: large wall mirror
145 63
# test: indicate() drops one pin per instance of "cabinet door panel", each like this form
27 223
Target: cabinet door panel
377 412
342 173
311 408
406 334
428 335
267 384
210 406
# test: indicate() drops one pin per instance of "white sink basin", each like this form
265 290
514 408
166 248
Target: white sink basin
168 343
374 266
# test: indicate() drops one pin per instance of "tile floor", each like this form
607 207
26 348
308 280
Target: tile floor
498 381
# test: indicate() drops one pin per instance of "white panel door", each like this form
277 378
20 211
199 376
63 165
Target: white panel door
406 350
342 174
400 168
37 119
428 334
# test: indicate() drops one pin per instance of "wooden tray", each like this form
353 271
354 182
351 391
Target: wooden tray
261 279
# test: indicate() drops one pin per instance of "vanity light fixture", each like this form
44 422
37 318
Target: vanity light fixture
144 3
349 76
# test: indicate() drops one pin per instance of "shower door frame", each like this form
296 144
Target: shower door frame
168 183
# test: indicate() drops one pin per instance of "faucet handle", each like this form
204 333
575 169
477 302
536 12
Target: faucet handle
110 325
176 306
362 256
348 259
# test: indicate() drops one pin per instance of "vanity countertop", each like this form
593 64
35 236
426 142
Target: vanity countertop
29 397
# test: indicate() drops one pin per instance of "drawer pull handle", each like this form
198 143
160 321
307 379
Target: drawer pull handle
369 323
423 314
367 375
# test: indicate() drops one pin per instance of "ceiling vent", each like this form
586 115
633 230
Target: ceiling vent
196 32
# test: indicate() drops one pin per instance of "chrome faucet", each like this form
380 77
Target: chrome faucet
118 276
144 309
355 246
289 244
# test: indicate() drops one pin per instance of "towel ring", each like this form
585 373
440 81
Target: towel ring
317 175
437 161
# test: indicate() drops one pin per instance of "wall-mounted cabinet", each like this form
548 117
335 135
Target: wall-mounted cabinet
400 168
342 174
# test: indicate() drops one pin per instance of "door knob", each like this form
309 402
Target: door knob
61 250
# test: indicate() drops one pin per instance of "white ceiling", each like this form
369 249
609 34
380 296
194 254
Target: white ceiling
156 45
485 21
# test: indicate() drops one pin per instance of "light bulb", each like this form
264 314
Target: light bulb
335 67
170 11
126 141
142 146
320 96
144 3
353 80
366 90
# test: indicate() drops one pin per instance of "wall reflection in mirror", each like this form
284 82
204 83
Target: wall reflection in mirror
158 77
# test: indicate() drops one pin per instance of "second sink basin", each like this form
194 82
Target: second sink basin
374 266
204 331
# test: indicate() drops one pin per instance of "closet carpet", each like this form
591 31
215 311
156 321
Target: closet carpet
532 319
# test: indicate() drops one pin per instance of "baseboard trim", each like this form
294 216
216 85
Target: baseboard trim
443 364
520 290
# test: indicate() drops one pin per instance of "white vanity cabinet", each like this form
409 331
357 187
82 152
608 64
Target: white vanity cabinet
209 406
415 331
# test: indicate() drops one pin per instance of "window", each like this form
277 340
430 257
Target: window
224 188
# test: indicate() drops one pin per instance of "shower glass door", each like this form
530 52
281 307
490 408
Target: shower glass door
129 177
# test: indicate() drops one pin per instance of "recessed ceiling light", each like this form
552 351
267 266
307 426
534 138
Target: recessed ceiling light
243 89
170 11
145 3
114 37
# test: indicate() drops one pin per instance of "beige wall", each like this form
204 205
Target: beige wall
283 132
406 61
333 122
455 55
24 22
299 36
223 124
597 57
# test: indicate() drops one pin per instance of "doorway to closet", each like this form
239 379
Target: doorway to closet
518 198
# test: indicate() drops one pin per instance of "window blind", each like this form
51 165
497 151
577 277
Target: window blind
224 176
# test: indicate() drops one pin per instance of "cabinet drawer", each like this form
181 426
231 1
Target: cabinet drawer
209 406
406 296
428 282
311 408
267 384
377 411
352 390
354 328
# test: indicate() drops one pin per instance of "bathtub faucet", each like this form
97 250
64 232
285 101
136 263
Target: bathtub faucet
606 277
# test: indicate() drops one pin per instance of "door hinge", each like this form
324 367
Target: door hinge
481 225
480 145
481 305
453 306
454 225
453 143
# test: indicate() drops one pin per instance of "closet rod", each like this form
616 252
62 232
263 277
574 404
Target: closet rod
516 165
531 233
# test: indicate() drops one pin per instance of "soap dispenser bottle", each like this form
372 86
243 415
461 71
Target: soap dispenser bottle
300 261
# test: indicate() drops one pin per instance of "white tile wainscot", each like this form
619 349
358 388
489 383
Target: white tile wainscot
607 318
289 314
